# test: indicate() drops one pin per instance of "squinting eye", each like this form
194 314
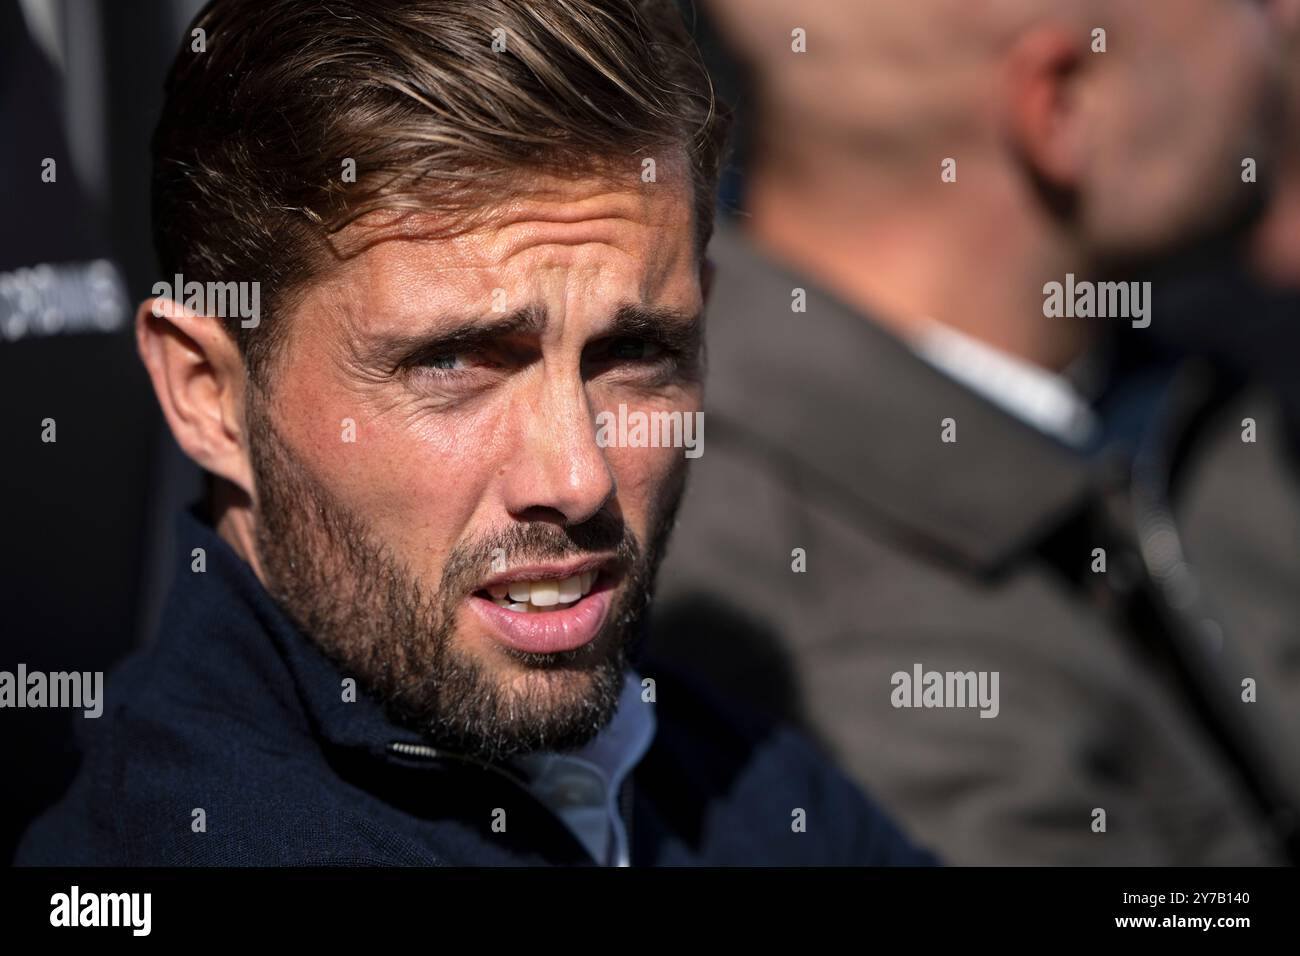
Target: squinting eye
447 362
634 350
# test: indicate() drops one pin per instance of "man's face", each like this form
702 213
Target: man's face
433 505
1185 92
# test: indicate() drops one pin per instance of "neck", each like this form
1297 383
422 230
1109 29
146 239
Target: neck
904 246
232 517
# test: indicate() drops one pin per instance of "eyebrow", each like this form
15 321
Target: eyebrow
460 334
671 328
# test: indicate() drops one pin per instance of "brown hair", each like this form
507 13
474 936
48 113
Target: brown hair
249 151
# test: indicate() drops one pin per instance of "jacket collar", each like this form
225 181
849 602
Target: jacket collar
228 628
858 415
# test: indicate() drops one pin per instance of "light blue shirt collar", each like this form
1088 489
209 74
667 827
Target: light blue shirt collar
582 786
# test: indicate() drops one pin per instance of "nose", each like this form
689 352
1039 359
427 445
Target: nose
558 472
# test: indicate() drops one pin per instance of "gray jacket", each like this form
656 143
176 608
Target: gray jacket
1119 734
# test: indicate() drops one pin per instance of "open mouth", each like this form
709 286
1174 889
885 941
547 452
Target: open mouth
547 609
533 597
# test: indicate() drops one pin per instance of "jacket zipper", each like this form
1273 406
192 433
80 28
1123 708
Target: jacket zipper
426 752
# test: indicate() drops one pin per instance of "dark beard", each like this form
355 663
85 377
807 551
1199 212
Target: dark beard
361 605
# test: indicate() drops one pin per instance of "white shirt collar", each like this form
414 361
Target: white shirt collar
582 786
1046 400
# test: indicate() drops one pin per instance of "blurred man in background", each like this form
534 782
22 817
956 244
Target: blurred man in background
953 526
1240 302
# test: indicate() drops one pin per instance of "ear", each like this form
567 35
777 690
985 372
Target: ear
707 271
1046 118
198 376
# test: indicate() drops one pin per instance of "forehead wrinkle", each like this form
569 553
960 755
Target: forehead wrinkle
405 292
379 293
610 204
582 247
625 236
618 218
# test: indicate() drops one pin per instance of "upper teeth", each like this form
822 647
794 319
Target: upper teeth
523 595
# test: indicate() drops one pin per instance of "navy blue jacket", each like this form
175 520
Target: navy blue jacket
234 711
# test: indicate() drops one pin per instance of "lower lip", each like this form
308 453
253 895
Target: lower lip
545 632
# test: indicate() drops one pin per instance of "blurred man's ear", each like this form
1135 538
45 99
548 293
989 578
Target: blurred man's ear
198 376
1046 116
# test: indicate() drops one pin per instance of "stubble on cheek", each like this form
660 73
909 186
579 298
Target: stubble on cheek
364 608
